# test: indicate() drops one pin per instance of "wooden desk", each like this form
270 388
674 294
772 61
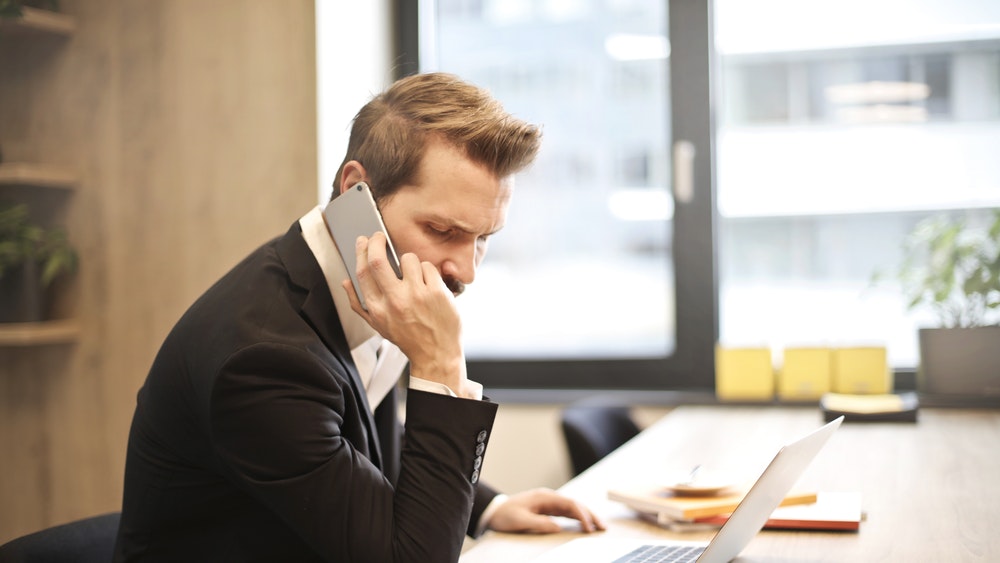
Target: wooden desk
931 490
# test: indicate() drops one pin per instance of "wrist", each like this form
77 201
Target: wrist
474 390
449 372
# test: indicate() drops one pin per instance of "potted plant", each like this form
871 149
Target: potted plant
10 9
951 266
15 8
31 258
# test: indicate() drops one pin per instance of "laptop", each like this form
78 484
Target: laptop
749 517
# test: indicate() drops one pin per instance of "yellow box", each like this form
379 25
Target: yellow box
743 374
806 373
861 370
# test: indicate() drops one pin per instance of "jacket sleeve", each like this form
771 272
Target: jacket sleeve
390 438
484 495
286 429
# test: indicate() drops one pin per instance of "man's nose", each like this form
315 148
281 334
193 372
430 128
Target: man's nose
462 264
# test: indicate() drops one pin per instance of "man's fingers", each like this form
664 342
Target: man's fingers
590 522
539 524
373 269
571 509
361 268
378 257
410 266
557 505
352 296
432 277
598 523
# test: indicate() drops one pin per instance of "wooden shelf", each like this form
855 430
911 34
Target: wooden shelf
37 175
38 22
35 24
36 334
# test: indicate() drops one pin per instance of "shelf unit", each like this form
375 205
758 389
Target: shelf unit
40 176
34 21
36 175
36 24
38 334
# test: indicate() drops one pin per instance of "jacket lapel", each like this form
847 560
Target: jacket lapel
319 310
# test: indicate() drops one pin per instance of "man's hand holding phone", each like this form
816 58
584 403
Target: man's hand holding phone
416 313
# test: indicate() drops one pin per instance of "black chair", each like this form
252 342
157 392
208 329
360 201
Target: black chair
593 429
89 540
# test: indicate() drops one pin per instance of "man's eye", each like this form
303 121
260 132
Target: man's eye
439 232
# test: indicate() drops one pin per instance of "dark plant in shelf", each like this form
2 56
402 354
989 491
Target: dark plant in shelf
13 8
10 9
952 268
23 243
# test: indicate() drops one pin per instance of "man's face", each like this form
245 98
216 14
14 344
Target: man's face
447 214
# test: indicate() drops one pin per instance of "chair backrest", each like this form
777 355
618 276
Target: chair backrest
593 430
83 541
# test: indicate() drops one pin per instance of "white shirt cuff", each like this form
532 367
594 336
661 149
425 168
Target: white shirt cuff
476 389
487 515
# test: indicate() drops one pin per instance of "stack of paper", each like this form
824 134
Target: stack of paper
889 407
799 510
831 511
658 500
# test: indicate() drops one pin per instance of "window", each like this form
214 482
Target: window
584 268
582 222
836 127
832 146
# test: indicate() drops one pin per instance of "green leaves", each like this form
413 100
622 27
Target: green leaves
13 8
10 9
953 268
21 241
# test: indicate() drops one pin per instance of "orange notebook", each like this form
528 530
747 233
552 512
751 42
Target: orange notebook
666 504
831 511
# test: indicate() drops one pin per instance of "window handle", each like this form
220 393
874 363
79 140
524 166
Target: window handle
684 153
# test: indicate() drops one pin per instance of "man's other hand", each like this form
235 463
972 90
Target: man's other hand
531 511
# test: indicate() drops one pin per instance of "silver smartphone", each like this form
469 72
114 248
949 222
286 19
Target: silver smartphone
353 214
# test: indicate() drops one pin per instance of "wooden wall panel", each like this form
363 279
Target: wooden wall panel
193 128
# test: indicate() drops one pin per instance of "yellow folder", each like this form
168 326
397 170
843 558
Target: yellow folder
806 373
743 374
861 370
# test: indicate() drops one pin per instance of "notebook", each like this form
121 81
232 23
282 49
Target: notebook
749 517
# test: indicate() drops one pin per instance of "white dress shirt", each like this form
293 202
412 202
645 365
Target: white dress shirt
379 362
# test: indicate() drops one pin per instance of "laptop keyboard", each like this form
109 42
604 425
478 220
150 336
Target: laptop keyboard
662 554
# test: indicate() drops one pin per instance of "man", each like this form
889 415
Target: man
267 427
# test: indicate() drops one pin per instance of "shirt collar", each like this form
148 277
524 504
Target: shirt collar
318 238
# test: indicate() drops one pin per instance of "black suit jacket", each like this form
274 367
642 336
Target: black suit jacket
252 438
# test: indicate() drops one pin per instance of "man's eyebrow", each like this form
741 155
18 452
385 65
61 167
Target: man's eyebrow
458 225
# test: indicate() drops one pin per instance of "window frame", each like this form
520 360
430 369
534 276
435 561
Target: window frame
691 366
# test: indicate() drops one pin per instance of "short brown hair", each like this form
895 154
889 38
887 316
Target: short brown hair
390 132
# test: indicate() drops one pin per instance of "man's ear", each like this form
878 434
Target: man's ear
353 172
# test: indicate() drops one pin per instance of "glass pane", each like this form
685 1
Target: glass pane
843 124
583 267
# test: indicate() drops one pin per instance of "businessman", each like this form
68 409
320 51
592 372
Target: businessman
267 428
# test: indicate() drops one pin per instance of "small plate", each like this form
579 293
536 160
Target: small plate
698 489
